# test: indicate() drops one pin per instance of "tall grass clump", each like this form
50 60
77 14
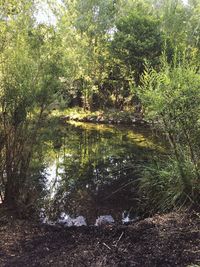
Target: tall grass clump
171 98
162 187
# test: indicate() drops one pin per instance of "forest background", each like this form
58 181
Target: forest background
102 55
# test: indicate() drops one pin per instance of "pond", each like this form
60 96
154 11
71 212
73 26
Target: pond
92 169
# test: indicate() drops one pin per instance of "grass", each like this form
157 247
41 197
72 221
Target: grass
163 187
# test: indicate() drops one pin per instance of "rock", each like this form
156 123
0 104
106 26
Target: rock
104 220
65 220
102 120
98 118
79 221
133 120
91 119
127 218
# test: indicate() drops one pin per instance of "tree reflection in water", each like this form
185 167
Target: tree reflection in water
92 169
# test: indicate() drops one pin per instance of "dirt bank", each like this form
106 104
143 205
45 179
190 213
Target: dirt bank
103 117
167 240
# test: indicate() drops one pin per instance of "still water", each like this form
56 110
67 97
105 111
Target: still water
92 170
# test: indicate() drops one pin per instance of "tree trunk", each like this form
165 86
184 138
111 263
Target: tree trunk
11 193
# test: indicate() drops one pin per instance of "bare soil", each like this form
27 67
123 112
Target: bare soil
163 240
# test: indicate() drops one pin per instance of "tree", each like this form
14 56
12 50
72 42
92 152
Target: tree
85 29
29 78
138 39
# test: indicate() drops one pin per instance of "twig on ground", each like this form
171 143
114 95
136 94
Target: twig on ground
106 246
116 242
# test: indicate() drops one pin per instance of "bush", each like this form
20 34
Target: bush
162 186
171 97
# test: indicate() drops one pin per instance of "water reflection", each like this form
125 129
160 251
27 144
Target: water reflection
91 169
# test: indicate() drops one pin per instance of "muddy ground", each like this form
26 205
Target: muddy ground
168 240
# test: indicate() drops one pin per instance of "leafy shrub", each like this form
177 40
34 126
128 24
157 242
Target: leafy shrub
162 186
171 97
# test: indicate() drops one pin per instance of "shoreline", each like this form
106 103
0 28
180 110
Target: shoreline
166 240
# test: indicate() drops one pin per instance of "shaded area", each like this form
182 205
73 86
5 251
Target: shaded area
167 240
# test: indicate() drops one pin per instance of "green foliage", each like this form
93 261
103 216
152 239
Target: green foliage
138 39
29 81
162 187
106 45
95 57
171 97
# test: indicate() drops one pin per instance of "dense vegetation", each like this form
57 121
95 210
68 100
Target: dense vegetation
102 54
